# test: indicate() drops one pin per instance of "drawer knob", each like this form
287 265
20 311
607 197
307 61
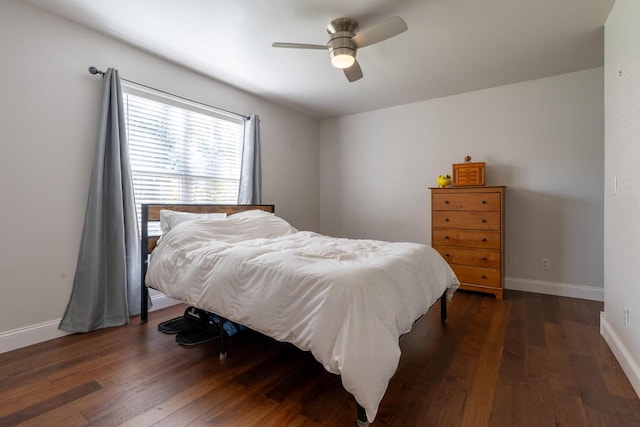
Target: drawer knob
446 202
484 258
484 220
484 239
446 220
484 202
446 254
484 276
446 237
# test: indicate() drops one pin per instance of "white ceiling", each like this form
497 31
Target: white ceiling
452 46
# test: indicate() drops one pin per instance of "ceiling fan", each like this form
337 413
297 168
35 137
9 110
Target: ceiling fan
344 42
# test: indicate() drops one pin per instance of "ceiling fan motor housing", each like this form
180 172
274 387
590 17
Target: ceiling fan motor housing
340 43
341 32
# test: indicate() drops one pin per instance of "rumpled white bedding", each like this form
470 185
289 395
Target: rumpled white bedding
347 301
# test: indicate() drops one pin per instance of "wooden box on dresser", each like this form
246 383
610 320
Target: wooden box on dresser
467 228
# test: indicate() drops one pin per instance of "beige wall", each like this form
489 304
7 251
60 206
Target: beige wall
543 139
48 117
622 186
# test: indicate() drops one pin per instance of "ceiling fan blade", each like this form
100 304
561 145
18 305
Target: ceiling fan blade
354 72
386 29
300 45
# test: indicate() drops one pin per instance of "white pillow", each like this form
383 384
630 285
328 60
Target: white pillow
233 229
251 214
169 219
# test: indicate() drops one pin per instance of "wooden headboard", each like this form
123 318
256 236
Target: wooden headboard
151 212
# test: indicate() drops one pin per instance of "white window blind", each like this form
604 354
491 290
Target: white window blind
181 152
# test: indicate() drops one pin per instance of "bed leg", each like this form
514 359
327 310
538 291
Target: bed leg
443 308
362 417
144 304
223 347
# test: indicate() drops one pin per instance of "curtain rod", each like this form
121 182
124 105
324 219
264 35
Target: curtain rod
94 70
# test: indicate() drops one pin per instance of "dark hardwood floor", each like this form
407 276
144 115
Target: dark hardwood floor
529 360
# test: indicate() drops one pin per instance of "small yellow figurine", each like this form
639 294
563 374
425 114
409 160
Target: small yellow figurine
443 181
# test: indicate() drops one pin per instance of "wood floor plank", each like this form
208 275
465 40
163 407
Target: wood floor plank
216 401
176 402
628 410
327 395
246 412
127 384
535 321
292 384
12 396
509 402
291 394
343 415
539 401
257 381
25 398
44 406
147 395
302 421
289 358
567 402
289 412
447 406
112 355
282 415
68 419
479 403
593 390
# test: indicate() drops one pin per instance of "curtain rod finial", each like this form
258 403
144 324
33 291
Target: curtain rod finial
94 70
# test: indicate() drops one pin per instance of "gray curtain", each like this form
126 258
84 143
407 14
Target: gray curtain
251 172
106 287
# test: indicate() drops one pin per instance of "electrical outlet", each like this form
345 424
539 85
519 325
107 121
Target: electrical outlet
626 317
545 264
513 260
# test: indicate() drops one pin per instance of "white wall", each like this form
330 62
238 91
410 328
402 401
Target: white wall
48 118
543 139
622 208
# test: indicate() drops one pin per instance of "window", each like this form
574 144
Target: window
181 152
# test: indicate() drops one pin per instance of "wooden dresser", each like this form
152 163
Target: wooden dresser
467 228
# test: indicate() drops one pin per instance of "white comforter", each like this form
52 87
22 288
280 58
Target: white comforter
347 301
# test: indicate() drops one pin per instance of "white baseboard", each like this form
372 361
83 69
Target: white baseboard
620 351
34 334
553 288
160 301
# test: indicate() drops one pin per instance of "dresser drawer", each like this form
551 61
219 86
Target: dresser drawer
478 275
467 238
469 256
466 220
466 202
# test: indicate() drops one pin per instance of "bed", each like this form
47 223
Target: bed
346 301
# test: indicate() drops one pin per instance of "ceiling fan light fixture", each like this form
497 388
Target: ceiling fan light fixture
342 61
342 57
